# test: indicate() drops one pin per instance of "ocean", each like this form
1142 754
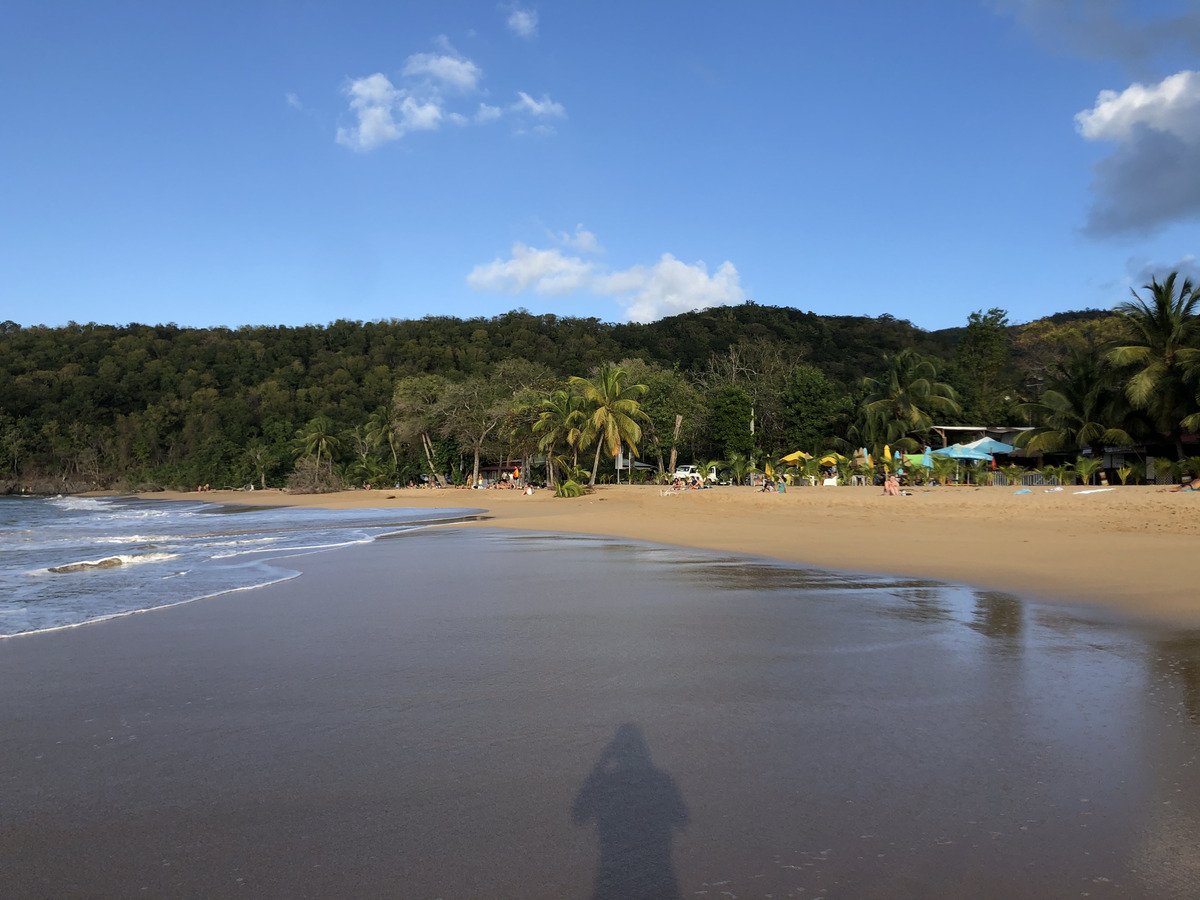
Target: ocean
66 561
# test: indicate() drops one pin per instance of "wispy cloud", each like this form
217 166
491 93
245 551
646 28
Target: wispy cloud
582 240
648 292
293 101
543 109
521 21
450 71
385 111
1152 177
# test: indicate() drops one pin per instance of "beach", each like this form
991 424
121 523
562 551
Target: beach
608 698
1129 550
465 713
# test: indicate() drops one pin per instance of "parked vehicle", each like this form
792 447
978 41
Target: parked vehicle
688 473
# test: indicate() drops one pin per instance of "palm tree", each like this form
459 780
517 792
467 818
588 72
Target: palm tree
1163 352
1086 467
560 420
381 429
318 437
740 468
1078 408
615 412
905 399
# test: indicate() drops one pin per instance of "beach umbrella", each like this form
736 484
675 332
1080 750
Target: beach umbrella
987 445
927 458
792 458
959 451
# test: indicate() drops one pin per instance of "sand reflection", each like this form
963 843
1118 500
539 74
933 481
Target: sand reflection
636 808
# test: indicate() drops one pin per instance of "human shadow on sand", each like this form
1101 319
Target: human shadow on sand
636 808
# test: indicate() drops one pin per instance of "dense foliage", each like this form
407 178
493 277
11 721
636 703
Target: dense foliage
132 405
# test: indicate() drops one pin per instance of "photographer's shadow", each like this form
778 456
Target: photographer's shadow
635 807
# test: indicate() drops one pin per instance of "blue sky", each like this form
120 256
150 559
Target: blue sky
283 162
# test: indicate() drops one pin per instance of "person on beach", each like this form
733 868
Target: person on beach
1189 485
891 487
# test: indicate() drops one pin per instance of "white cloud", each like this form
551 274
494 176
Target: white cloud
543 271
487 113
523 22
454 71
1171 106
372 99
671 287
1153 176
385 113
543 108
667 288
582 240
293 101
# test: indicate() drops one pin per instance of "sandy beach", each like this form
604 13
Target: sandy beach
1128 549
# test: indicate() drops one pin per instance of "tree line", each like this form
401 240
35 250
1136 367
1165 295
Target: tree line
142 405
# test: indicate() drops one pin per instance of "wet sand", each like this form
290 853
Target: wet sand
489 713
1132 550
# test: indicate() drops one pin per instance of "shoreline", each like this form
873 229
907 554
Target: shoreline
1126 550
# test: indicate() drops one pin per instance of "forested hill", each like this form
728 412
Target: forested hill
845 348
101 403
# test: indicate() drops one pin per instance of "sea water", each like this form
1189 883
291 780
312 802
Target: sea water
65 561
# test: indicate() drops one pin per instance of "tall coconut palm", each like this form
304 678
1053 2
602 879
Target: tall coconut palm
614 413
381 430
560 421
1162 350
905 399
317 437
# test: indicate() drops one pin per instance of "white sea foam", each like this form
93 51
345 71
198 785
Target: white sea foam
108 562
89 503
287 575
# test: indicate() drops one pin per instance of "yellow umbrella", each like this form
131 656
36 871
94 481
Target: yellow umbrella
887 452
832 459
770 473
792 458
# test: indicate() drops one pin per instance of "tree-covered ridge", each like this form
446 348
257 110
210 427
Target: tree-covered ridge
124 404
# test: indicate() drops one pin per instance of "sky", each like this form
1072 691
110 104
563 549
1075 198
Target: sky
302 161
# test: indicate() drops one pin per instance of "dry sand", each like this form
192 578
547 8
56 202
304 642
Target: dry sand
1132 550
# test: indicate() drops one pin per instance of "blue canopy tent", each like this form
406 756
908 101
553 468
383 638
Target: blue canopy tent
961 451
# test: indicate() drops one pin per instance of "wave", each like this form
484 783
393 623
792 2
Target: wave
284 575
92 503
108 562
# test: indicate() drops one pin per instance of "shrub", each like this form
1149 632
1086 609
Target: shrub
570 489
